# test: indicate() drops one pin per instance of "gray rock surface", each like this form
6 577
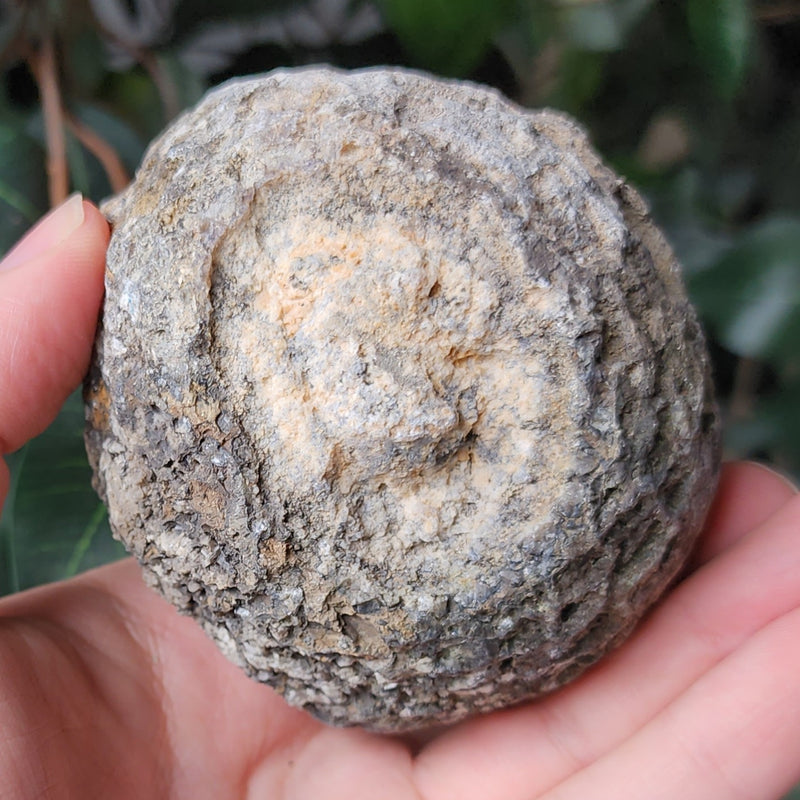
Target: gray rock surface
397 392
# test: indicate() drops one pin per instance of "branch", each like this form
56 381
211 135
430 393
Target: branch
778 13
115 170
45 71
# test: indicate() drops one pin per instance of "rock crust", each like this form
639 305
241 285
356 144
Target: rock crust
397 391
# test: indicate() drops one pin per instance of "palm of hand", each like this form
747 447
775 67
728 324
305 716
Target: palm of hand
105 692
112 694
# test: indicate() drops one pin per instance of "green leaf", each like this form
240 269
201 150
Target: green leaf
12 22
449 37
542 23
135 100
85 176
127 143
188 86
55 524
600 26
593 27
630 12
9 574
191 13
86 62
771 430
722 34
780 413
747 438
23 184
794 794
579 79
751 295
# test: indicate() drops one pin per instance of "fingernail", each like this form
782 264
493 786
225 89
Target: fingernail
787 478
50 231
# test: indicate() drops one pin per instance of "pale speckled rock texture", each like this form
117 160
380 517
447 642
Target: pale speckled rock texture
397 392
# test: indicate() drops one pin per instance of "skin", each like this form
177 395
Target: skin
105 691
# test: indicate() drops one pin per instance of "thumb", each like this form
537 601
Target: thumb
51 287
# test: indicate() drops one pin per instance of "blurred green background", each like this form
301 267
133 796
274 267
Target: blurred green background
696 102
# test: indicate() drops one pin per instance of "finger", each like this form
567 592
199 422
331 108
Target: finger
523 752
198 686
49 301
221 724
150 693
748 494
735 733
47 234
5 480
211 731
283 746
81 711
338 765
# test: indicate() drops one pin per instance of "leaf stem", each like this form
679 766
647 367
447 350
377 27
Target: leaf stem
779 13
45 70
115 170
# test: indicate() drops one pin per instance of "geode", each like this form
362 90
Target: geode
397 392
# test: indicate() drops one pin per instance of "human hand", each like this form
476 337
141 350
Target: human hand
106 692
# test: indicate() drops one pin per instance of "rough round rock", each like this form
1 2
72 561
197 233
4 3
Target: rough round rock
397 392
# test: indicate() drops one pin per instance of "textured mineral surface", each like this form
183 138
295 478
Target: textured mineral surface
397 392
